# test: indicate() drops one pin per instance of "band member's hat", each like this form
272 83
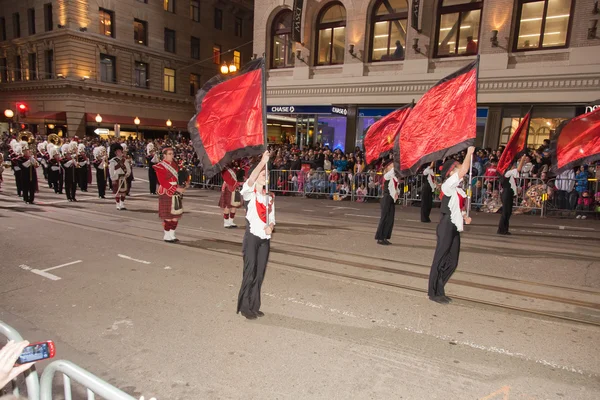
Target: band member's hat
165 148
113 149
448 167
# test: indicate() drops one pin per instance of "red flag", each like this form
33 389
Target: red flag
380 138
442 123
577 142
229 121
516 145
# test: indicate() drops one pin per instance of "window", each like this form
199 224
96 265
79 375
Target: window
543 24
458 28
49 74
282 46
18 70
194 84
238 27
169 40
48 24
140 32
2 29
108 70
195 10
16 25
331 35
388 30
195 48
3 70
218 19
31 20
33 67
169 80
237 59
169 5
141 74
217 54
107 23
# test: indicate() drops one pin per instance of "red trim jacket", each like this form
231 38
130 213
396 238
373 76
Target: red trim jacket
167 182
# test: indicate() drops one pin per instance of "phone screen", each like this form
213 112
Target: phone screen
35 352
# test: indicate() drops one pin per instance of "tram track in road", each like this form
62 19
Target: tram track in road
359 265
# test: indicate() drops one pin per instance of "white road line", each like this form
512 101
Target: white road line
309 210
62 265
140 179
133 259
40 273
360 215
343 208
563 227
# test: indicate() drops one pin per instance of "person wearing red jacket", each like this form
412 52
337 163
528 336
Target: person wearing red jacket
169 194
227 201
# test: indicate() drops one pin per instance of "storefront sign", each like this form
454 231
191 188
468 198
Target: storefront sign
589 109
416 10
307 110
297 21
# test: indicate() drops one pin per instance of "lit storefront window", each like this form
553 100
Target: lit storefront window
543 24
544 121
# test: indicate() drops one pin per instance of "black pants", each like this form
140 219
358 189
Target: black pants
152 179
445 259
28 185
507 206
101 181
426 202
82 178
18 182
386 222
256 254
55 179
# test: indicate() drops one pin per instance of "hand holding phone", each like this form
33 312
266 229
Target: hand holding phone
9 355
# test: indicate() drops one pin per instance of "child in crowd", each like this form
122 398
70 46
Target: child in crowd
584 205
361 193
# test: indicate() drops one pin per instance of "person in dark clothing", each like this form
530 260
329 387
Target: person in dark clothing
447 250
509 191
152 158
427 190
388 204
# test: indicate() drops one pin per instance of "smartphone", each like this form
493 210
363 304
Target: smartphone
36 352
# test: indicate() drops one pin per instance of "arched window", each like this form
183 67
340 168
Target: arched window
331 35
388 30
282 50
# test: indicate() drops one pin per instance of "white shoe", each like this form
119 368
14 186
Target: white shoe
584 217
173 238
118 206
226 223
231 223
122 203
167 237
578 217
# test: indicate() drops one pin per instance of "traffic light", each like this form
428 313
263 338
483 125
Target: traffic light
22 109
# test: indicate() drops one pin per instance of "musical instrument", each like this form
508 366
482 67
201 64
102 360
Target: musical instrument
55 139
26 136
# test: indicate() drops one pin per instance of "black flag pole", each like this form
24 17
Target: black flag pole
264 119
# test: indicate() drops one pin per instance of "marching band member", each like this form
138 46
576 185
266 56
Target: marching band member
84 173
69 164
170 191
101 165
509 191
55 172
129 162
119 171
28 165
152 158
227 201
388 204
257 240
15 152
447 250
42 158
427 189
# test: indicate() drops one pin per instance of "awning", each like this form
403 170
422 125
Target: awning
42 117
127 121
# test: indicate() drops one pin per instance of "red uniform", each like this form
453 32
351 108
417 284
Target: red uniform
230 183
167 176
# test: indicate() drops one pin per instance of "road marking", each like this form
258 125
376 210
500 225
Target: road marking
62 265
133 259
203 212
38 272
360 215
309 210
343 208
563 227
140 179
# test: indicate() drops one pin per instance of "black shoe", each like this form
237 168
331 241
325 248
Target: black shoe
439 299
75 200
84 190
249 315
260 314
448 299
169 241
387 242
426 222
382 242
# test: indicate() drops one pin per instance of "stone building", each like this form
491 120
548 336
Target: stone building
70 60
354 61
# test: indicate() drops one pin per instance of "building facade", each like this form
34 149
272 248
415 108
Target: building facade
71 60
354 61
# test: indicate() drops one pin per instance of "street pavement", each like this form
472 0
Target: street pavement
345 318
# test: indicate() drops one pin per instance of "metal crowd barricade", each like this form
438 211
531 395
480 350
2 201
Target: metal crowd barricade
563 198
93 384
31 375
370 185
201 181
286 182
139 158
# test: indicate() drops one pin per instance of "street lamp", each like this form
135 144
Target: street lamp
98 119
8 113
169 123
224 69
136 121
231 69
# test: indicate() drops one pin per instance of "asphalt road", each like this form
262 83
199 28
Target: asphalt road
345 318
